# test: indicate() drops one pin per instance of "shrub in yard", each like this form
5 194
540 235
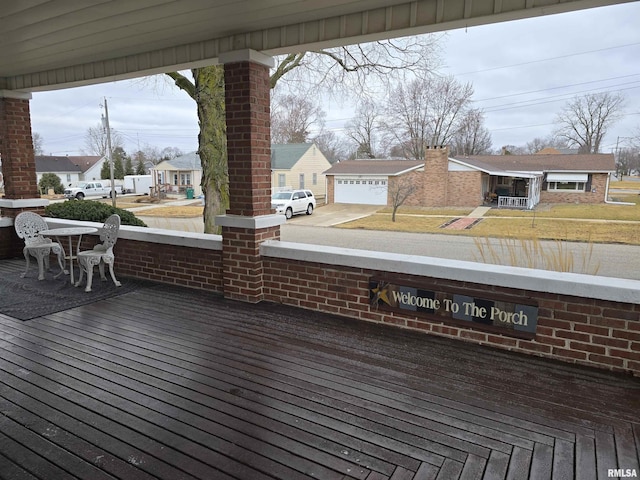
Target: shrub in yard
90 211
50 180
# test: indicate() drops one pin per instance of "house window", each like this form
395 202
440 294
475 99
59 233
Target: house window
68 177
282 180
175 179
567 182
301 178
566 186
185 178
314 179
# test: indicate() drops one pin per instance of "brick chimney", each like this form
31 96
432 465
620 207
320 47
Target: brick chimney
436 170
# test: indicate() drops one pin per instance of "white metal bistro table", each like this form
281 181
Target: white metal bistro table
70 232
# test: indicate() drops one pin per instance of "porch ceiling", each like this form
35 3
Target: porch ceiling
48 44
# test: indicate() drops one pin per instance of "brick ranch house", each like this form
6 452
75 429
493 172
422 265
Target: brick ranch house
516 181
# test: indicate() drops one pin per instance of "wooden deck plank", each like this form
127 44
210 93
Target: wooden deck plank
402 474
10 470
563 460
451 470
626 448
519 464
165 382
497 466
26 410
517 422
428 471
104 366
397 420
188 425
606 457
473 468
585 458
574 384
470 427
541 462
128 443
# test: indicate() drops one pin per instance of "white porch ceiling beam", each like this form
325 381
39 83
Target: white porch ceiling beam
416 17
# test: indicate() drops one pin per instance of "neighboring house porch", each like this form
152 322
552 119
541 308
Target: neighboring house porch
177 175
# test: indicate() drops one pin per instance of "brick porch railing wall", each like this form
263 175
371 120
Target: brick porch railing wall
575 329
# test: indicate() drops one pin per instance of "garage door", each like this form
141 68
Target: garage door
365 191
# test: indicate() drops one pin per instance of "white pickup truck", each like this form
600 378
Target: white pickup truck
84 190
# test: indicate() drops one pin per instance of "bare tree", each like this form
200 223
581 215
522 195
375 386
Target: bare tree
95 141
292 118
627 161
399 190
472 138
584 121
551 141
37 144
168 153
331 146
356 69
427 111
364 129
449 105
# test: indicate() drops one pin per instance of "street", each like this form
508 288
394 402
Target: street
620 261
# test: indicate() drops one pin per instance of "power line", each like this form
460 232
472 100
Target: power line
557 88
548 59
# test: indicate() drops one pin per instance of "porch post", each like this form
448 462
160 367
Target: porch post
249 220
18 167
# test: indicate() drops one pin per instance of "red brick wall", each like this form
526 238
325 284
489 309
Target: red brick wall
330 189
595 195
465 189
435 183
243 279
16 149
186 266
248 138
572 329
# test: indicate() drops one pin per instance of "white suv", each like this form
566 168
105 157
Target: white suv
293 202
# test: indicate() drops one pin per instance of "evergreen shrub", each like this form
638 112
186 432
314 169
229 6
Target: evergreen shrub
90 211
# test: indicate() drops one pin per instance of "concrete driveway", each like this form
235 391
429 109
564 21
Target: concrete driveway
333 214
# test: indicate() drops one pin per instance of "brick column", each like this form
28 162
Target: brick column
249 220
436 171
18 168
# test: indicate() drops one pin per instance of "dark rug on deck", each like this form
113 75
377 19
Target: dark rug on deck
27 298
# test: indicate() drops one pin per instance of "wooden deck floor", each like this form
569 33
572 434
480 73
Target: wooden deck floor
170 383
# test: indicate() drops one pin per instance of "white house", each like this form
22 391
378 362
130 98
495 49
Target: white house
70 169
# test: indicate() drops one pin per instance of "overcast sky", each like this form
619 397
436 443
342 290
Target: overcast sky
522 73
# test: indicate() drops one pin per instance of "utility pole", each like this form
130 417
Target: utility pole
105 124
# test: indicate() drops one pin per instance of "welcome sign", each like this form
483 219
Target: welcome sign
506 317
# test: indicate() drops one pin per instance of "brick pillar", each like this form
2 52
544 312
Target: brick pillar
249 220
18 168
436 171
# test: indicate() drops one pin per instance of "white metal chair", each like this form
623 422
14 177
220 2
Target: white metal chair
101 255
28 226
